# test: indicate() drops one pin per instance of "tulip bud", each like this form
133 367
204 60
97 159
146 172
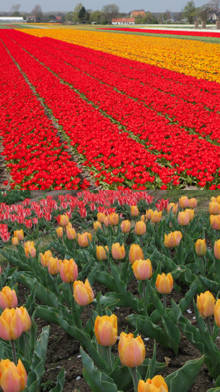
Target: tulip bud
101 252
183 218
183 202
134 210
157 384
68 270
156 216
215 222
82 292
205 304
8 298
142 269
217 313
12 378
59 231
118 251
84 239
200 247
71 233
217 249
113 219
135 253
164 283
15 241
125 226
63 220
131 350
97 225
53 265
101 217
44 258
106 330
172 207
19 234
140 228
172 239
29 249
192 203
214 208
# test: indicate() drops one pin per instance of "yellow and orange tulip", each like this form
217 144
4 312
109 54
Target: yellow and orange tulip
142 269
106 330
156 384
13 378
131 350
8 298
205 304
82 292
118 251
164 283
68 270
135 253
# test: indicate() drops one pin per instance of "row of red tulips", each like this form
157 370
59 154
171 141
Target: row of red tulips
104 147
32 149
185 152
170 32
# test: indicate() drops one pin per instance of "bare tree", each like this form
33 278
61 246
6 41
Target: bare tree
15 9
110 11
37 12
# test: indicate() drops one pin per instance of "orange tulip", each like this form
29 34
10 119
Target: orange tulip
156 216
191 213
8 298
157 384
84 239
217 313
13 322
12 378
215 222
131 350
113 219
172 207
125 226
172 239
53 265
134 210
68 270
183 202
183 218
106 330
71 233
59 231
101 252
19 234
63 220
192 203
118 251
29 249
142 269
44 257
140 228
164 283
135 253
15 241
214 208
101 217
217 249
97 225
205 304
200 247
82 292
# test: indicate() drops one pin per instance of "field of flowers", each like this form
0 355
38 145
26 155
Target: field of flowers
128 285
128 124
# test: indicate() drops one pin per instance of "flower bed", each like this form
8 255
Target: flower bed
171 32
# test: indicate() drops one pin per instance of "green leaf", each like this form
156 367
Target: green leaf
96 379
182 379
60 382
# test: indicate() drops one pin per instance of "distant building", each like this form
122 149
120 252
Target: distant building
136 13
12 19
119 21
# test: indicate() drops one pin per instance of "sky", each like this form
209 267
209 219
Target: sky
124 5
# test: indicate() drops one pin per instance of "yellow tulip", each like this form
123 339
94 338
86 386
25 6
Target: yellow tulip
101 252
142 269
135 253
134 211
125 226
172 207
59 231
19 234
97 225
217 313
44 257
13 378
164 283
183 218
215 222
200 247
217 249
172 239
82 292
140 228
84 239
118 251
8 298
68 270
157 384
214 208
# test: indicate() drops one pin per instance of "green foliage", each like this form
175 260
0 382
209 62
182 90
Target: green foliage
182 379
13 196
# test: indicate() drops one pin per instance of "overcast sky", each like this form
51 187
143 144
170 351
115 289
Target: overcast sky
124 5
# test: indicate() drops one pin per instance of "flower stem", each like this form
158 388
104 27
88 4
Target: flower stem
109 356
165 301
134 376
13 352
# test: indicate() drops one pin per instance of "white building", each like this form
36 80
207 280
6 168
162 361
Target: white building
12 19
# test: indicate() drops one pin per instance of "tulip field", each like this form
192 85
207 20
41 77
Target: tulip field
94 109
115 291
